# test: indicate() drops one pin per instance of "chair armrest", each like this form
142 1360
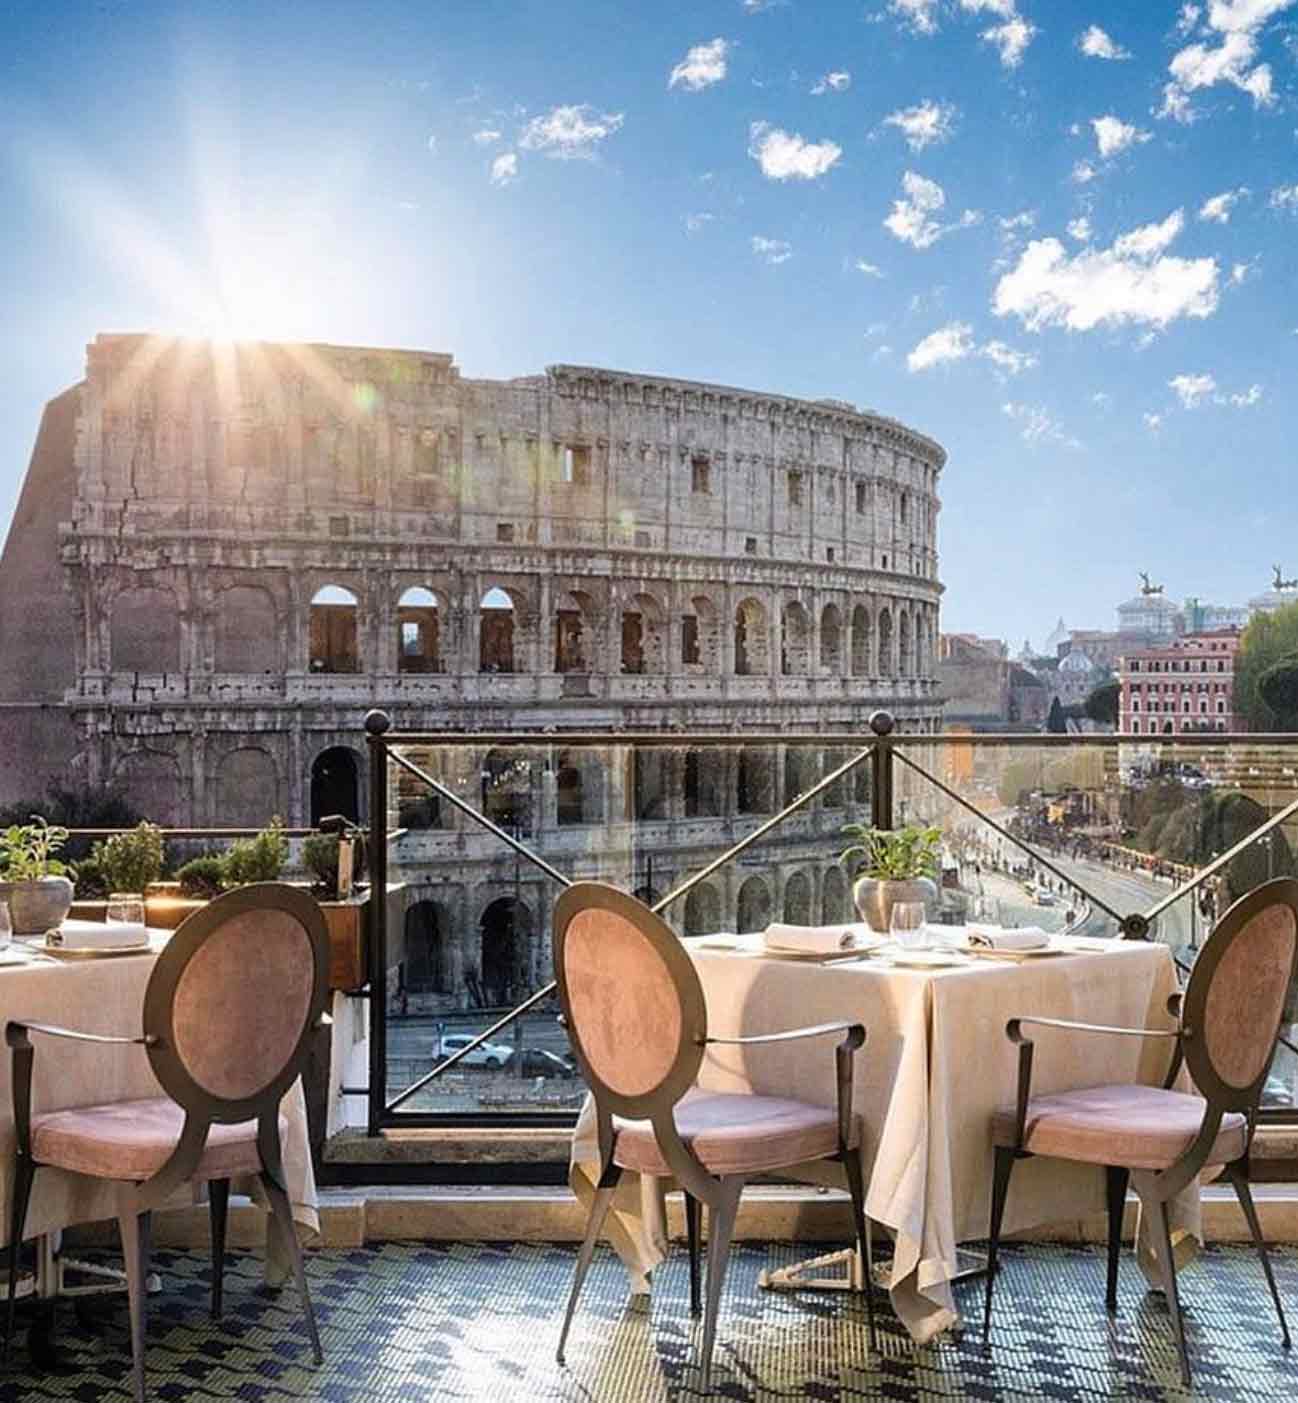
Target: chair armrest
16 1031
792 1034
1014 1032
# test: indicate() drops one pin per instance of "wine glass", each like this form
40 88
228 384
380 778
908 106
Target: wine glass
906 925
6 925
124 909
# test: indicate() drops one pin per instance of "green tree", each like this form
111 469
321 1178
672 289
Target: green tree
1267 640
1056 725
1278 687
1102 703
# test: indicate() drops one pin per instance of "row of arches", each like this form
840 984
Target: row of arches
866 640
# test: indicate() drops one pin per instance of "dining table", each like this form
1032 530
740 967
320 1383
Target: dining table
935 1067
104 993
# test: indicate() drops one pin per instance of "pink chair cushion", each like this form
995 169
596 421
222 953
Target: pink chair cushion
1132 1127
134 1139
733 1134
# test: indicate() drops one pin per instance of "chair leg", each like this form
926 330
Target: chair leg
861 1224
721 1226
692 1213
283 1211
1005 1157
1161 1233
1115 1185
218 1205
24 1173
1239 1178
134 1227
594 1225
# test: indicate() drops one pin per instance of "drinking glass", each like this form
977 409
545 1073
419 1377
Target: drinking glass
907 926
6 925
125 908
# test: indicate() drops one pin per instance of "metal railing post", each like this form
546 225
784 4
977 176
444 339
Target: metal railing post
376 724
881 770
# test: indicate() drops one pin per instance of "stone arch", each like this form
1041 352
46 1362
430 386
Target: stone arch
702 910
434 961
247 630
145 631
506 930
862 643
905 644
835 904
150 780
753 905
831 639
507 790
704 782
650 783
334 630
336 784
419 631
701 636
795 640
575 633
755 780
799 771
797 900
497 631
247 788
644 636
887 667
752 643
578 780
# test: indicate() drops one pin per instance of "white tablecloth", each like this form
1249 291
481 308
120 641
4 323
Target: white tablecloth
935 1066
103 996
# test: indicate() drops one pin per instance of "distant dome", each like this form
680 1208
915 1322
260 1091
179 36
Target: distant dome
1058 636
1076 661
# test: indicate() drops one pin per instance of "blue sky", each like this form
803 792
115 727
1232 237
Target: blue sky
1060 238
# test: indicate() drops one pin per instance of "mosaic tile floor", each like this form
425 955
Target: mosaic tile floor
405 1324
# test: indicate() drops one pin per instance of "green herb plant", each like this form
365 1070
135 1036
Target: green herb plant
27 851
891 854
128 862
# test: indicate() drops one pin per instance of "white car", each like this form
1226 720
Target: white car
490 1055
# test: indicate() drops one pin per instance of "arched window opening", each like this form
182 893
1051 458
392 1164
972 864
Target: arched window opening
247 636
506 931
700 638
799 771
861 642
704 778
643 645
797 900
496 632
418 632
649 783
145 631
835 905
568 789
334 632
430 966
831 639
754 906
795 641
418 806
754 781
886 668
904 647
702 910
507 790
572 637
750 640
335 785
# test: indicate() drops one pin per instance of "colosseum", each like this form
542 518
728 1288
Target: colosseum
223 556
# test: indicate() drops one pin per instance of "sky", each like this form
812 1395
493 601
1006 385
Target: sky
1059 238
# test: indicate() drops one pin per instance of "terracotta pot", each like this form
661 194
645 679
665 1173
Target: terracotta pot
37 906
875 898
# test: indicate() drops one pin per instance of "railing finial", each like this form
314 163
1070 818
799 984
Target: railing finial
377 721
881 722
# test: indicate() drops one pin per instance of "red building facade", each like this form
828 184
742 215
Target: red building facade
1184 687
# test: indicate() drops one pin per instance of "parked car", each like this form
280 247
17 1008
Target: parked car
538 1062
490 1055
1045 898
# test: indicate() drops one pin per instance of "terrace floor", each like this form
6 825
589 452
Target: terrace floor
405 1324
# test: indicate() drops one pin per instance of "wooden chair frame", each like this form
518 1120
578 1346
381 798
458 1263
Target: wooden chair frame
136 1201
1156 1188
720 1194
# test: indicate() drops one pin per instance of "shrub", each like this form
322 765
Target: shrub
201 877
259 859
91 882
320 858
130 861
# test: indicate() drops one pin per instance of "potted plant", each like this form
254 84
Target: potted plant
129 862
891 865
37 886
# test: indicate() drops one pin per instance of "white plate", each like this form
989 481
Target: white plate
842 952
927 959
987 952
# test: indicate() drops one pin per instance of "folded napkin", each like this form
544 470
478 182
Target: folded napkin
996 938
820 939
96 935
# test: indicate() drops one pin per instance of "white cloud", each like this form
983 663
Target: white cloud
955 342
1134 281
1113 136
787 156
1010 39
1039 426
1083 173
1284 197
1192 390
486 136
925 124
1153 422
695 222
1025 219
1080 229
912 220
570 132
702 66
1241 272
1095 43
919 15
504 168
1218 208
1232 30
837 82
871 270
772 250
1250 397
948 343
